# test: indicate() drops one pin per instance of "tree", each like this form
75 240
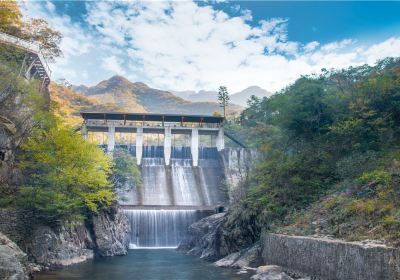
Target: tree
66 176
38 30
223 98
10 17
125 171
34 30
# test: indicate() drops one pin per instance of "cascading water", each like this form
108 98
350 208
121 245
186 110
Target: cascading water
172 197
155 182
159 228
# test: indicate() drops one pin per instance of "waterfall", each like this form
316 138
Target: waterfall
160 228
172 197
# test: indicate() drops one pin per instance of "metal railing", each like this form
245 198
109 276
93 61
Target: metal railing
150 124
31 47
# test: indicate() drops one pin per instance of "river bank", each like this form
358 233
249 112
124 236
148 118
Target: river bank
291 257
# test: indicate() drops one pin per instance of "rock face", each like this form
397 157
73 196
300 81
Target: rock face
204 239
106 235
13 262
111 233
210 240
332 259
61 247
237 164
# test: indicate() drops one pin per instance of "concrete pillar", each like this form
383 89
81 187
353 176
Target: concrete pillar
84 131
220 143
167 145
139 144
111 139
195 146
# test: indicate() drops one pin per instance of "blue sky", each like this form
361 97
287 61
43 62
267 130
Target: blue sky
199 45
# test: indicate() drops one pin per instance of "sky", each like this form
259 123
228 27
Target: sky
200 45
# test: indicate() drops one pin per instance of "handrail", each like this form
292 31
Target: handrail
91 122
32 47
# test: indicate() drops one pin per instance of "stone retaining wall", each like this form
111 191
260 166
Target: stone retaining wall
332 259
16 224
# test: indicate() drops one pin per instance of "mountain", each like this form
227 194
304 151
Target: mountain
201 96
69 104
239 98
184 94
138 97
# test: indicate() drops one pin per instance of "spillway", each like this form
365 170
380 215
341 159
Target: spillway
172 197
160 228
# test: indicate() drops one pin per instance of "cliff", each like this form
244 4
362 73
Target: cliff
103 235
237 164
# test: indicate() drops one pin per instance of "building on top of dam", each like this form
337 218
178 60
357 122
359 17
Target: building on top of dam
186 130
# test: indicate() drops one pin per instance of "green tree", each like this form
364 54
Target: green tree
321 134
223 98
35 29
10 17
66 176
125 170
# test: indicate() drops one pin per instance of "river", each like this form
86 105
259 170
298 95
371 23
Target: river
144 265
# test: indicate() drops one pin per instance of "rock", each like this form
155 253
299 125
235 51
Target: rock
35 268
204 239
270 272
111 233
228 261
251 257
60 247
247 258
237 164
13 262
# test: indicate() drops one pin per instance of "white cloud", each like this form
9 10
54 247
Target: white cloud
76 42
311 46
181 45
113 63
334 46
390 47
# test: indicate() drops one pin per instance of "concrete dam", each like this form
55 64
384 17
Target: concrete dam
181 167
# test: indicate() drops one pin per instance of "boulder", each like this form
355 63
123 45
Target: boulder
111 233
228 261
270 272
250 257
13 262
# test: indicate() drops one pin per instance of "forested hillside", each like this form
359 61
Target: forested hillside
332 145
138 97
68 104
